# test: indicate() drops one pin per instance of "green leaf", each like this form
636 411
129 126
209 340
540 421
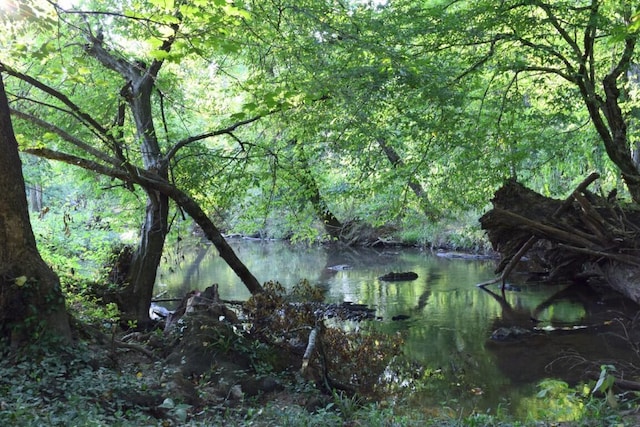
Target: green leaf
163 4
250 106
159 54
187 10
234 11
168 403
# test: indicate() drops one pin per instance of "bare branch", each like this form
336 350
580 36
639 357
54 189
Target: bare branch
228 130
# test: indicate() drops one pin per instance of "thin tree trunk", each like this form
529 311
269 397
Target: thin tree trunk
332 225
35 197
396 161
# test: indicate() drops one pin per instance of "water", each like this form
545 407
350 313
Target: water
450 320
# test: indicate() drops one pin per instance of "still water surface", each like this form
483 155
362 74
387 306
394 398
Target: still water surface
450 319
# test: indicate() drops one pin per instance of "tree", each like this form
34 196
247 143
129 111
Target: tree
137 90
302 170
376 109
586 46
31 302
130 139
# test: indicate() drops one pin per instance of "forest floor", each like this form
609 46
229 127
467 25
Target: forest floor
155 379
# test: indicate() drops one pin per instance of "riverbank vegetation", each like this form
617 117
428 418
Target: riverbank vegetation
345 122
205 371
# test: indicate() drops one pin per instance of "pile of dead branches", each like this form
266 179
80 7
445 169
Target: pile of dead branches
583 234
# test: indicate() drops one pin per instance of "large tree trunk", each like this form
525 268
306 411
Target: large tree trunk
584 236
32 305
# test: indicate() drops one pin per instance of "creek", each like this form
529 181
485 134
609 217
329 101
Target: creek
450 321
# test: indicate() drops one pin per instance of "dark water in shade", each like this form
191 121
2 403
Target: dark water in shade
450 319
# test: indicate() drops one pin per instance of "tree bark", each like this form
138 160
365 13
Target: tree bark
137 91
32 305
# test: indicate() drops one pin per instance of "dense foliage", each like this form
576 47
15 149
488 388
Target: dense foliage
383 113
385 121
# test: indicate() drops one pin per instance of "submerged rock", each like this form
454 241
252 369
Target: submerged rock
511 333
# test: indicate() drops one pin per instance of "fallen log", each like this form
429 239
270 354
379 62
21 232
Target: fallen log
584 234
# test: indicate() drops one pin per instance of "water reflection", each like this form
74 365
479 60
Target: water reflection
449 320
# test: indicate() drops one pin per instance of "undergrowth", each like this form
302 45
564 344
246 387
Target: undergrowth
97 383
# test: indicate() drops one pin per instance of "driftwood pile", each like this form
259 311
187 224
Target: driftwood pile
585 235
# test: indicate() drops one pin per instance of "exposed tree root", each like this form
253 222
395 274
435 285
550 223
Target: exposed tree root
583 234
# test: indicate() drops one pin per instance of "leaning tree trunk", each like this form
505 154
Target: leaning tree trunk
582 236
32 305
151 182
331 223
397 162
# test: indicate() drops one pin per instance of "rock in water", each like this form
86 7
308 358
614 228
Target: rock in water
399 277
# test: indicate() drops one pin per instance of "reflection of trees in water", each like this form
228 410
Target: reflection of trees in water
355 258
529 357
426 293
194 268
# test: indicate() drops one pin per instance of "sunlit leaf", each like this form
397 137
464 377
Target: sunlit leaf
234 11
163 4
159 54
167 403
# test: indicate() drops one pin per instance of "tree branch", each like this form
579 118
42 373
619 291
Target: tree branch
625 59
85 118
90 165
66 136
98 51
484 59
553 19
549 70
228 130
151 181
552 52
